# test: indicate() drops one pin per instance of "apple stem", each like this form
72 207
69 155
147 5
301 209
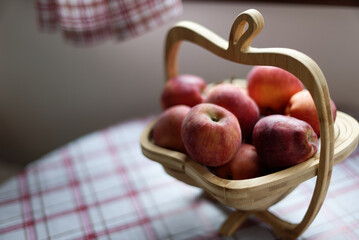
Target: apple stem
309 134
215 119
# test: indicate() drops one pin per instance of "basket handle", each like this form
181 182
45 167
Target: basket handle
238 49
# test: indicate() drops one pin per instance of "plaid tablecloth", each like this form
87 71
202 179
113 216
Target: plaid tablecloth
87 22
102 187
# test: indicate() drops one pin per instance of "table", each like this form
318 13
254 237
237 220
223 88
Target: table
100 186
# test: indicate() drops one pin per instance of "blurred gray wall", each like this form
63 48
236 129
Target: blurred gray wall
52 93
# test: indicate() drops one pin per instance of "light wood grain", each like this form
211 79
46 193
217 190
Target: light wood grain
182 166
258 194
233 222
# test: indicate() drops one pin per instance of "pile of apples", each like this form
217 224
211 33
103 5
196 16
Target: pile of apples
240 133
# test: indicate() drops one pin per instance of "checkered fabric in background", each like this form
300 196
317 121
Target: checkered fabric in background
86 22
102 187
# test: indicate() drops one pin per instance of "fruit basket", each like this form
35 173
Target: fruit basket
254 196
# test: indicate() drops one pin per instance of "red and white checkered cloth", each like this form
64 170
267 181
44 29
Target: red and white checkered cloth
85 22
102 187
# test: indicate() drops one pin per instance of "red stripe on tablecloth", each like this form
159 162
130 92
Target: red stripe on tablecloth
340 226
124 13
352 174
83 180
84 27
96 204
85 168
43 205
147 220
349 188
83 24
331 192
106 19
11 228
43 166
335 231
26 206
81 207
120 228
156 13
123 173
48 6
202 217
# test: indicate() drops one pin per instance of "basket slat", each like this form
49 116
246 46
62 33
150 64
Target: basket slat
237 193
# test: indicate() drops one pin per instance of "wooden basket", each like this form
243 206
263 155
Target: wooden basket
254 196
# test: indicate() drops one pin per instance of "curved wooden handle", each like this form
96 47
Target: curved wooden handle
238 49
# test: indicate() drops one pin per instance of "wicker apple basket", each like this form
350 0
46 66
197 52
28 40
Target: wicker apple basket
254 196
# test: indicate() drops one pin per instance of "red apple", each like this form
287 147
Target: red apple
271 88
243 165
167 130
211 134
283 141
301 105
241 105
183 90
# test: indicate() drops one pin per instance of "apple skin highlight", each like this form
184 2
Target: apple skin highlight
271 88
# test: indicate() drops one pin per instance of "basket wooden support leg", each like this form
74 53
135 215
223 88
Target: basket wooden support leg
283 229
233 222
